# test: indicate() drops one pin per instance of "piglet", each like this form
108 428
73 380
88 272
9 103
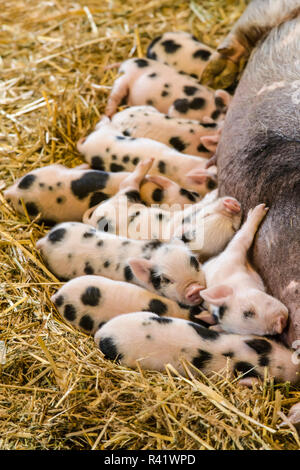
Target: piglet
155 341
206 226
235 292
182 51
107 149
89 301
72 249
184 135
61 193
146 81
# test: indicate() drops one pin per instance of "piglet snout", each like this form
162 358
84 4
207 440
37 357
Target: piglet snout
232 205
192 293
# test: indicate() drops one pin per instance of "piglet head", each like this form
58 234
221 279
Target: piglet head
246 311
172 271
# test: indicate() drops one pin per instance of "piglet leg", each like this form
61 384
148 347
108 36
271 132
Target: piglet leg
134 179
243 239
119 92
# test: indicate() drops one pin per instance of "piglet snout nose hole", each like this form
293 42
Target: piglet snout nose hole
232 205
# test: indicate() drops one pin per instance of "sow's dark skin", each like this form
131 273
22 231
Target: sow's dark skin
258 155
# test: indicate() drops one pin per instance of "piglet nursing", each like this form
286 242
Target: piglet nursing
168 269
61 193
182 51
235 292
155 341
107 149
184 135
148 82
206 226
89 301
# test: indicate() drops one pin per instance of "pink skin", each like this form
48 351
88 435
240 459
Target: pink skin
146 121
187 170
140 88
235 293
130 335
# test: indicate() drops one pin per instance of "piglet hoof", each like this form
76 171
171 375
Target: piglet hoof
248 381
257 214
220 72
232 205
225 64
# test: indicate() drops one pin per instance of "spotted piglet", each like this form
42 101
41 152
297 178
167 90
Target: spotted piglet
184 135
206 226
182 51
89 301
146 81
169 269
61 193
155 341
107 149
235 293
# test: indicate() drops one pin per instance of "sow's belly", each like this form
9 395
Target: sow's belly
259 161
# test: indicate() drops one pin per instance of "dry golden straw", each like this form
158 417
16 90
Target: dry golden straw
56 390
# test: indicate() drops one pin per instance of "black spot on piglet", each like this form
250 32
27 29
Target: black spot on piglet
161 320
246 369
32 208
190 90
202 54
59 301
170 46
86 322
202 359
260 345
109 349
157 306
56 235
97 163
88 183
177 143
158 195
70 312
97 197
26 181
205 333
181 105
91 296
133 196
141 63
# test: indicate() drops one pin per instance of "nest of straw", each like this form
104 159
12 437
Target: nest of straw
57 391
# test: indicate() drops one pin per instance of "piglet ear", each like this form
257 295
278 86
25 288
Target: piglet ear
224 98
161 181
141 268
198 176
218 295
104 120
210 142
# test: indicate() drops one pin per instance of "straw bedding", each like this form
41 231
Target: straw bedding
57 391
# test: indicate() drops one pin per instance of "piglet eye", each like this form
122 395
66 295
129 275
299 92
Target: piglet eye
165 280
249 314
